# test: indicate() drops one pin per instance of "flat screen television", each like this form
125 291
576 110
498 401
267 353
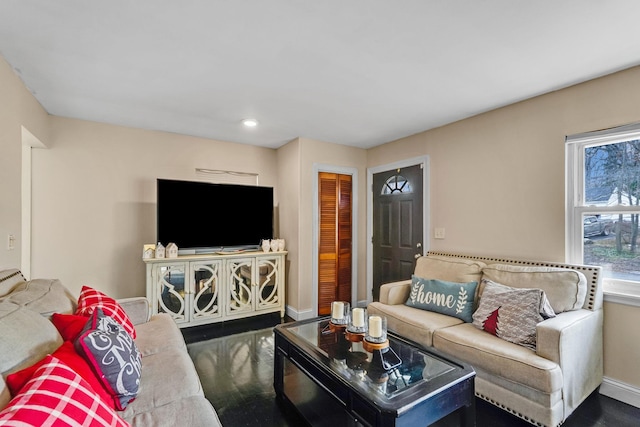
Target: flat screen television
201 217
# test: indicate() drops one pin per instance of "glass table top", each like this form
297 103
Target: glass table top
365 370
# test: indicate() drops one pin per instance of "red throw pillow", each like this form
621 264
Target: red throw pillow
68 355
57 396
90 299
69 325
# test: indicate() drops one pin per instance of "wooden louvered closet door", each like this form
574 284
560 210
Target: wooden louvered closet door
334 252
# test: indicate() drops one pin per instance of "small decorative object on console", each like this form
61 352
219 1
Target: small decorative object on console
172 250
160 250
266 245
148 251
274 245
281 245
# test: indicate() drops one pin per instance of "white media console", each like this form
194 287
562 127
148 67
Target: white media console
201 289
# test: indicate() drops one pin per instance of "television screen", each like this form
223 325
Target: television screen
203 216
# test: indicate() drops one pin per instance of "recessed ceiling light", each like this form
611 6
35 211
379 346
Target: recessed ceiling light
250 123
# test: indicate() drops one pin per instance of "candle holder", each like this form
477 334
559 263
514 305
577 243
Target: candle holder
376 335
357 327
340 314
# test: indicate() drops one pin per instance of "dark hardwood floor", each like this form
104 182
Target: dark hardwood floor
235 365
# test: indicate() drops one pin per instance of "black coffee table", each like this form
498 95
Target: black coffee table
332 381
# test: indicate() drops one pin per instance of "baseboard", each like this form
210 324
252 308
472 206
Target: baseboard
620 391
298 315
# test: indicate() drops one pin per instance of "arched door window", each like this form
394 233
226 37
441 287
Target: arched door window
397 184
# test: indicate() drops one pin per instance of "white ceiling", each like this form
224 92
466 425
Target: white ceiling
354 72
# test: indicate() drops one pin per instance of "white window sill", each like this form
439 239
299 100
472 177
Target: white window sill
622 292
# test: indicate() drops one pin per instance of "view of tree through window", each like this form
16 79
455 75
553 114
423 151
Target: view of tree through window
612 182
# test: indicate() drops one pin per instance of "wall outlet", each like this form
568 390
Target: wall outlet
438 233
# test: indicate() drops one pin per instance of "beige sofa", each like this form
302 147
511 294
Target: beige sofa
543 386
170 393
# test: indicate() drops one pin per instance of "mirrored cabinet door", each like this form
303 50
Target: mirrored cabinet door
267 282
240 279
171 290
206 290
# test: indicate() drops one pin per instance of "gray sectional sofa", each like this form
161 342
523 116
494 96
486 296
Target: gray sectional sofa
170 392
542 386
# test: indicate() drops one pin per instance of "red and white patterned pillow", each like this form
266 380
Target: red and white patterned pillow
57 396
67 355
90 299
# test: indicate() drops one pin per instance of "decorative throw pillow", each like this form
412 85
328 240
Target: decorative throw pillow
67 355
512 313
90 299
69 325
450 298
113 355
58 396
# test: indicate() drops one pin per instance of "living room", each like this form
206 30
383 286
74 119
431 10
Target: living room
92 192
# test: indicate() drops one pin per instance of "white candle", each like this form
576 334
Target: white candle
337 310
375 326
358 317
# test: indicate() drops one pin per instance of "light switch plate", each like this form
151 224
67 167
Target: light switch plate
438 233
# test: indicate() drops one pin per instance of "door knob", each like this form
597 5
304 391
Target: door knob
418 247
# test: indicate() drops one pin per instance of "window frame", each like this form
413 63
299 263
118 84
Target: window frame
615 290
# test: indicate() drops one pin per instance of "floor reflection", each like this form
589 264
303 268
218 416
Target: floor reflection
236 372
237 377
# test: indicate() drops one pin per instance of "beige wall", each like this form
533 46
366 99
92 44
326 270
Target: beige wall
94 197
296 162
622 343
18 108
289 190
497 185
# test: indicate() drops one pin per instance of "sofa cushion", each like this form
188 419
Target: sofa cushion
159 334
449 268
113 355
512 313
91 299
417 325
44 296
25 337
565 289
67 355
192 411
498 357
9 278
57 395
450 298
167 377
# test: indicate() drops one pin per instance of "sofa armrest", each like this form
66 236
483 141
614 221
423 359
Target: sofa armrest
137 308
573 340
395 293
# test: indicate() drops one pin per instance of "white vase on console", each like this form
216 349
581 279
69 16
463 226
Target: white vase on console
280 245
266 244
274 245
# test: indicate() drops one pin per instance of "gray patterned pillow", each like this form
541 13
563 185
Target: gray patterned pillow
512 313
113 355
